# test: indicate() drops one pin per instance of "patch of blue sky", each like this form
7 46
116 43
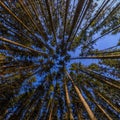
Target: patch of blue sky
102 43
76 53
107 41
38 81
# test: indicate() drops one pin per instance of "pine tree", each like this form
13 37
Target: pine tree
41 78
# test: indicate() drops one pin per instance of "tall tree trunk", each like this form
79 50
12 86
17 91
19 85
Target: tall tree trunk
108 102
50 19
95 102
98 57
89 111
100 78
102 110
68 101
23 46
20 21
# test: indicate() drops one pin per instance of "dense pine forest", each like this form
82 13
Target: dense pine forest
51 65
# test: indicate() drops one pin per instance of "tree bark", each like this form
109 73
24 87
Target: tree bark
98 57
68 101
89 111
23 46
100 78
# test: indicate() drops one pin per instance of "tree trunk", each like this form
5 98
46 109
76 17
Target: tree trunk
68 101
98 57
89 111
23 46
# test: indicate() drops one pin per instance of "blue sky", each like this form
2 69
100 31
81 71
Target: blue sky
103 43
107 41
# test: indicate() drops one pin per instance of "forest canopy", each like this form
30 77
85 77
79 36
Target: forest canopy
51 65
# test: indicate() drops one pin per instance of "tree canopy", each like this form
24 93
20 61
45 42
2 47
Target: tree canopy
41 77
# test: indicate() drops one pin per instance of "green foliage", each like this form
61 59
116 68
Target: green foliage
39 78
